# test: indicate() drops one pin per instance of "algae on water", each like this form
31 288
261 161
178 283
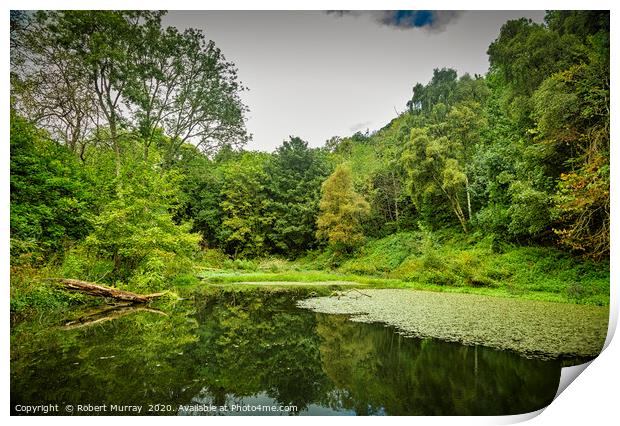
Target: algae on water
532 328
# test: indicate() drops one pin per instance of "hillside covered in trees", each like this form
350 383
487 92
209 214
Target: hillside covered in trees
128 166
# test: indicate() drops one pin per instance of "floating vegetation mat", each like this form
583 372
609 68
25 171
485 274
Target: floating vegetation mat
533 328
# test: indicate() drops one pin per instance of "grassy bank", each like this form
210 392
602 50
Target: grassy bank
31 293
417 260
436 262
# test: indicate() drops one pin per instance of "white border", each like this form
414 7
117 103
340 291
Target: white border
593 396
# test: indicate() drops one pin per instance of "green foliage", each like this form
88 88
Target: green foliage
274 264
342 210
30 294
200 196
384 255
552 83
79 263
378 176
125 180
426 259
125 69
295 176
525 53
213 258
135 229
445 133
244 204
253 204
50 195
112 89
582 199
434 171
440 90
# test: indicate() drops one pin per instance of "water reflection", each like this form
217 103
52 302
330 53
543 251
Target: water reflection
257 349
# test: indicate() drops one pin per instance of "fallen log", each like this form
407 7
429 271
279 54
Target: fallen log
104 291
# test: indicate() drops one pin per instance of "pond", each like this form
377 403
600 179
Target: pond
255 352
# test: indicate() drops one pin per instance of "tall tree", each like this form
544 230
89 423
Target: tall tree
49 85
121 71
433 166
341 211
295 176
439 151
105 44
186 87
246 219
553 82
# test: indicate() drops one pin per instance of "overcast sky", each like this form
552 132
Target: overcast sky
316 75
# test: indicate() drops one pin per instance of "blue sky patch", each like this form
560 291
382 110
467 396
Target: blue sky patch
412 18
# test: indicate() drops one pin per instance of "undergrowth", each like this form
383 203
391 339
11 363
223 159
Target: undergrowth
437 261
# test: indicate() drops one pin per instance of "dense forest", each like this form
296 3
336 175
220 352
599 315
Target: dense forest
128 165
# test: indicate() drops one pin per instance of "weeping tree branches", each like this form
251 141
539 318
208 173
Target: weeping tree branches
432 166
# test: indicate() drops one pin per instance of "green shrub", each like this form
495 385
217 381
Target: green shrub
384 255
275 264
78 264
213 258
31 292
241 265
185 280
477 261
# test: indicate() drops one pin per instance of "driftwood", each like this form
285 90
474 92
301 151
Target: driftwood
104 291
99 315
338 294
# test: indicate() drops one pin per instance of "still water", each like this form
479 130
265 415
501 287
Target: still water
255 353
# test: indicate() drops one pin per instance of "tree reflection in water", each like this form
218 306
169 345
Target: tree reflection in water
256 347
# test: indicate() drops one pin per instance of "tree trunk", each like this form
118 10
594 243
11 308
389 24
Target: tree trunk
458 211
116 145
104 291
468 197
455 204
396 208
146 150
395 187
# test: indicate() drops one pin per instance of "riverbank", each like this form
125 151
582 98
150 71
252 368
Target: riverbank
531 328
438 262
